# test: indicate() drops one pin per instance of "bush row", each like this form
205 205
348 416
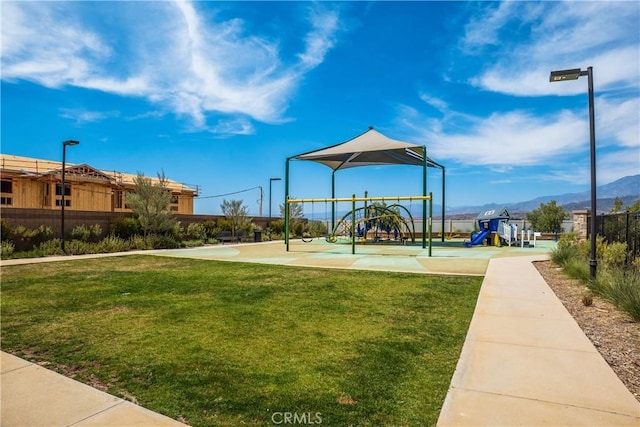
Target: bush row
125 233
618 277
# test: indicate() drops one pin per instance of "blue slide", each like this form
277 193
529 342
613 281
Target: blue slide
477 238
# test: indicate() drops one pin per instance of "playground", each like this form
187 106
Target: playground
449 257
372 220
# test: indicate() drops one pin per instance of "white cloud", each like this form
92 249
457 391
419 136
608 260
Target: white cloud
616 164
321 38
537 37
84 116
619 122
38 45
180 58
237 126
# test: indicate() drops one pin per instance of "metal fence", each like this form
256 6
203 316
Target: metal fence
621 227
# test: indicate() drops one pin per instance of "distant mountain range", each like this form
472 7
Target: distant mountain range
627 189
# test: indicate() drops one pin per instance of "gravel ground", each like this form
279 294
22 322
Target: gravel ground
612 332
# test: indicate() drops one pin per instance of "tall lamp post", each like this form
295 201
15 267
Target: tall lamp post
65 144
269 222
574 74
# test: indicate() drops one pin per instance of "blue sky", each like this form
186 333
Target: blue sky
219 94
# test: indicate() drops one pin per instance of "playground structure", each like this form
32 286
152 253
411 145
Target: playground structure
377 223
367 223
496 230
370 148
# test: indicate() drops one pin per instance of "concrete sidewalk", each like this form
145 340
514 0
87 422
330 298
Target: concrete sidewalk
34 396
526 361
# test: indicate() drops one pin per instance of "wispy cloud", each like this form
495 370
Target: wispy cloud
182 60
520 43
81 117
560 35
502 142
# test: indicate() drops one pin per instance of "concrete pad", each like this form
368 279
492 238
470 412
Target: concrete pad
512 307
128 414
59 401
9 362
528 331
484 409
34 396
525 361
395 263
575 378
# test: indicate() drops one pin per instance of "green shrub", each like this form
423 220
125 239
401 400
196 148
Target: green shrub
155 241
49 248
563 253
81 232
6 249
316 228
297 228
615 255
78 247
210 228
622 288
6 232
568 240
125 227
277 226
192 243
578 268
29 238
112 244
614 281
138 242
196 231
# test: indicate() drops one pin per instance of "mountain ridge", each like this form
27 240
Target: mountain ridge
626 188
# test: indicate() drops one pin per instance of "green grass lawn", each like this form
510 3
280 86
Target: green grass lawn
219 343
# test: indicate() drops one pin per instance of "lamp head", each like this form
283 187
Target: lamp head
275 179
71 142
561 75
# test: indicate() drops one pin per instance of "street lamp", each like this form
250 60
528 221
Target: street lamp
574 74
64 189
269 222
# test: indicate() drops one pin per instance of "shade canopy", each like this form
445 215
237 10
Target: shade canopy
368 149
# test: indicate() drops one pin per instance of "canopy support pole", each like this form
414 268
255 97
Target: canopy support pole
424 193
333 203
286 204
353 224
430 216
443 210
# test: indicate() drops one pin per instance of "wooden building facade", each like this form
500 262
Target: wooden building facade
37 184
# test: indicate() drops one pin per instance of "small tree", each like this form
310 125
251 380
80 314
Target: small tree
617 205
150 204
548 217
237 214
296 210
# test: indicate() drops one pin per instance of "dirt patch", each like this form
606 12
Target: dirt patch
612 332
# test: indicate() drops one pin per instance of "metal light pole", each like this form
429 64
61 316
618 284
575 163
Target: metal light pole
64 189
574 74
269 222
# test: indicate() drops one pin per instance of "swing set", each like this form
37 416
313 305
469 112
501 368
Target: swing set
370 222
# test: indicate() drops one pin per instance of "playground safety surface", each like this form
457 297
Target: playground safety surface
449 257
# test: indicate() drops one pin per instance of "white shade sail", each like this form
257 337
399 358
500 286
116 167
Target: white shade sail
368 149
